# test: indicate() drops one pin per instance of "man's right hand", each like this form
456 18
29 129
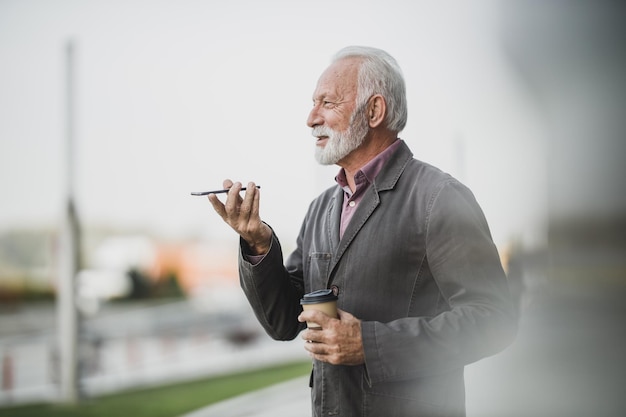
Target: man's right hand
242 214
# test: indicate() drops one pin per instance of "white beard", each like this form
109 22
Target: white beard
340 144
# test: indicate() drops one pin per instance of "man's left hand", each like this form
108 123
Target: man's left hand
338 342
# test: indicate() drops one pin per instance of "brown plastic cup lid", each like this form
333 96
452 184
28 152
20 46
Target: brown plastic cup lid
319 296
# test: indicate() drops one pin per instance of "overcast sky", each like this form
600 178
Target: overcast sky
175 96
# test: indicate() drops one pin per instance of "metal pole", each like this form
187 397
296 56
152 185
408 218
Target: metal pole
69 253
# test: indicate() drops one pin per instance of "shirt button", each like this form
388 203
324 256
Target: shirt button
352 204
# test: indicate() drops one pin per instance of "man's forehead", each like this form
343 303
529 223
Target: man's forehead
340 77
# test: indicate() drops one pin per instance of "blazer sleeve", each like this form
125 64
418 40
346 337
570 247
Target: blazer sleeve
479 318
273 292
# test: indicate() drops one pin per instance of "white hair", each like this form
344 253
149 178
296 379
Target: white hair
379 73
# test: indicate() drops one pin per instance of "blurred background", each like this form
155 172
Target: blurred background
112 112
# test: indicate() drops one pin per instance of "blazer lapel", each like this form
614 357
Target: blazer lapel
334 220
365 209
385 180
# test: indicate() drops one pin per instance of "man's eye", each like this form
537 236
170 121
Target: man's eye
324 103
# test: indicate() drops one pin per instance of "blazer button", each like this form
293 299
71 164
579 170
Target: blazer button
335 289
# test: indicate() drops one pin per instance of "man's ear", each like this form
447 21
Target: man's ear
376 110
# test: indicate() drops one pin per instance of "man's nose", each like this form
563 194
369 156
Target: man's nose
314 118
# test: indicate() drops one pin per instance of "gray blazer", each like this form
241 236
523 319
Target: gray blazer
418 266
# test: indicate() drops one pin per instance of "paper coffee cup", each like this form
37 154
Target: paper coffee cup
322 300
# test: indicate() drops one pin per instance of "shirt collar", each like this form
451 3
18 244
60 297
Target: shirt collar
370 170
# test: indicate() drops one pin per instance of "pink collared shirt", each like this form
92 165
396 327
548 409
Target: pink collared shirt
363 178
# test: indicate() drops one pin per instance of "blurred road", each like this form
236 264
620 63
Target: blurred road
286 399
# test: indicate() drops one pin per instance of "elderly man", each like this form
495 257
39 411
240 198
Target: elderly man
404 246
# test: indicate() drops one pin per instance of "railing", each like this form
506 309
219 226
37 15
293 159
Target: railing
132 346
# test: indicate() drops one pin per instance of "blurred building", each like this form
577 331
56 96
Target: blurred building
138 266
571 55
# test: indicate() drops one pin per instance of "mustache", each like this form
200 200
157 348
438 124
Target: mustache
318 131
